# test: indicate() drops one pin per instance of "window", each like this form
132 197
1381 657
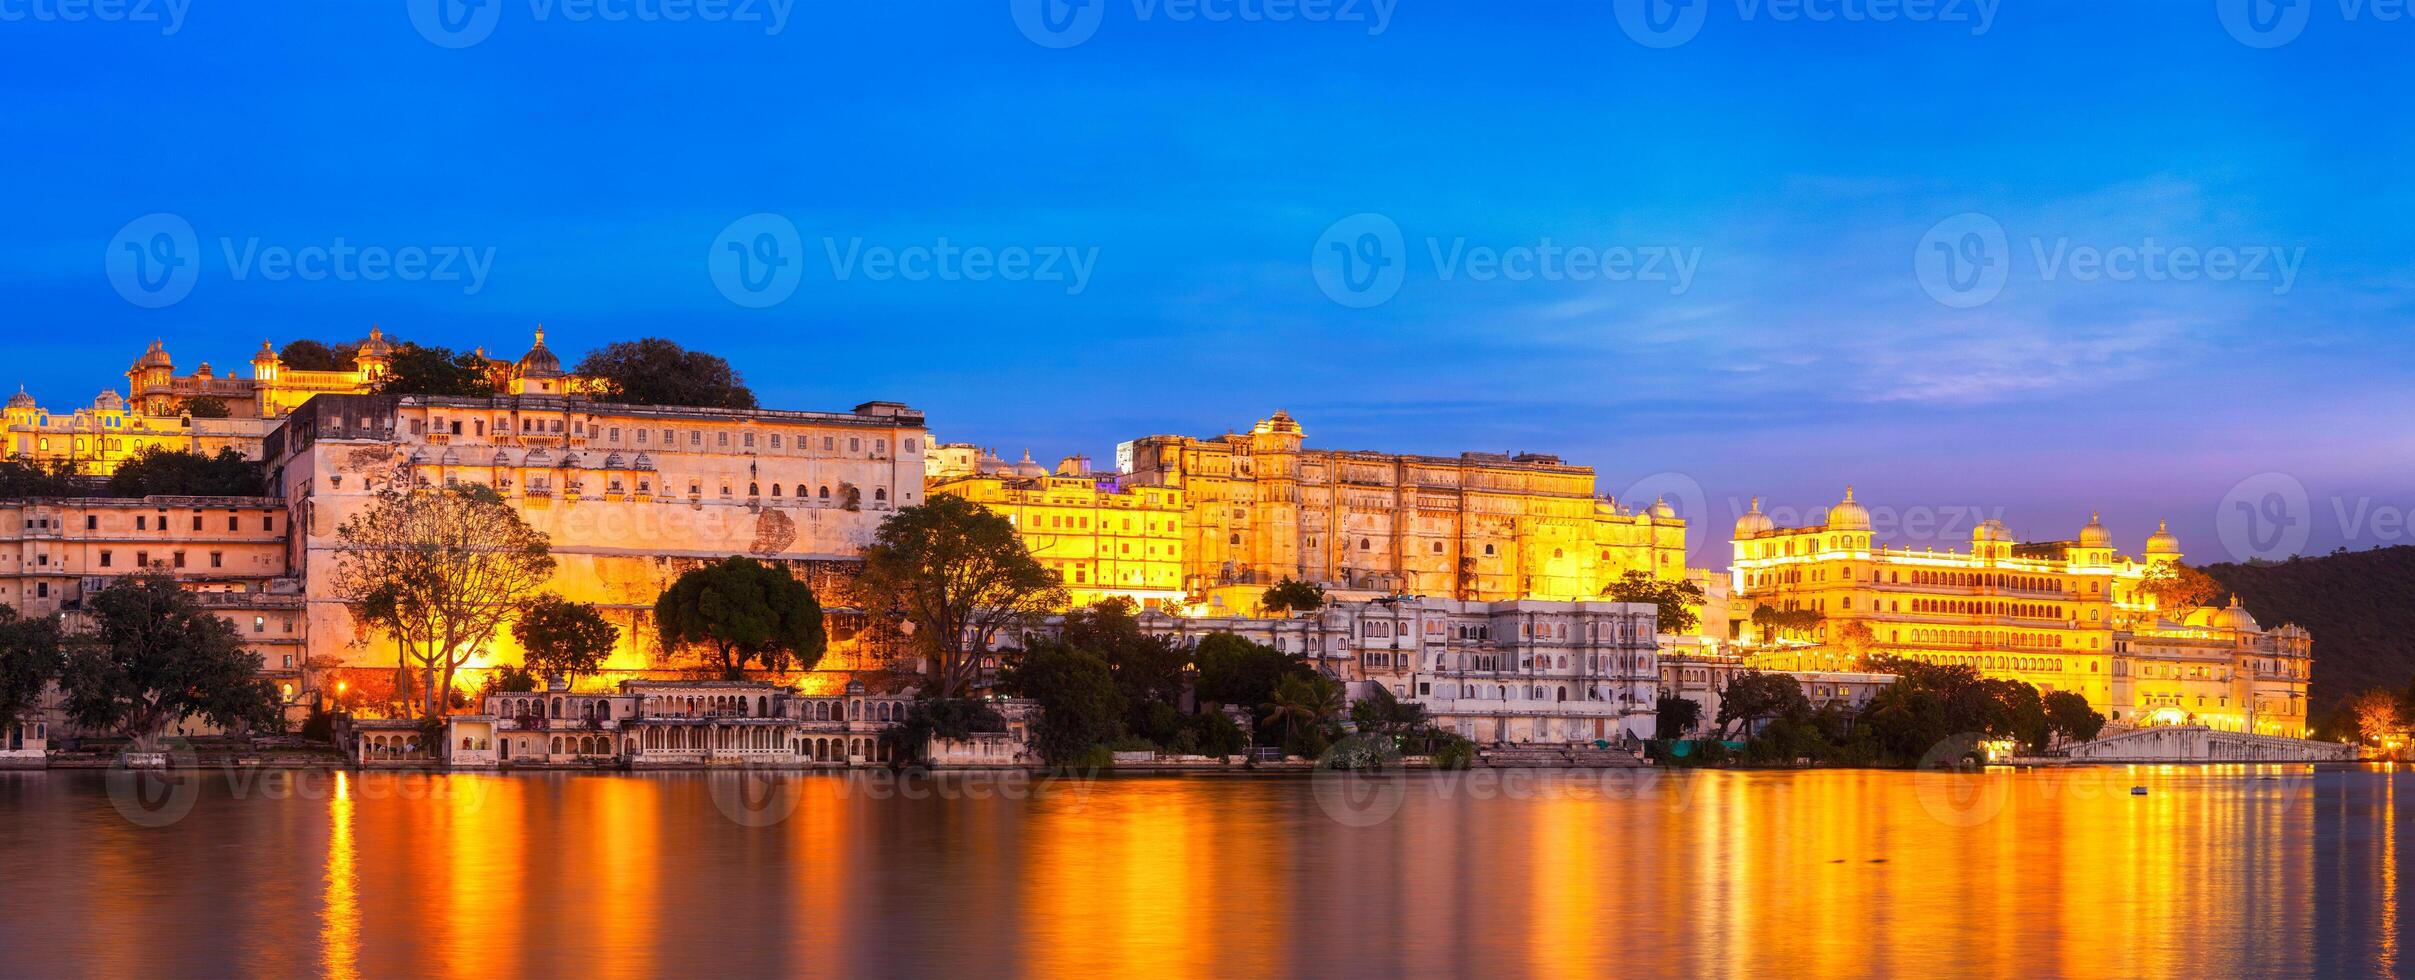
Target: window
217 559
233 523
142 558
142 523
179 559
197 522
268 522
259 624
104 559
92 522
42 590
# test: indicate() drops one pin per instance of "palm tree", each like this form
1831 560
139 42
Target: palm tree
1304 701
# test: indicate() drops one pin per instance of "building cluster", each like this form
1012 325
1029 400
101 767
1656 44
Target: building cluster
1472 584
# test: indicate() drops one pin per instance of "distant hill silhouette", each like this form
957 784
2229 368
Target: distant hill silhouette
2360 606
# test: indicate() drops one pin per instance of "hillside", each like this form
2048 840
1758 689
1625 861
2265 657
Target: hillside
2360 606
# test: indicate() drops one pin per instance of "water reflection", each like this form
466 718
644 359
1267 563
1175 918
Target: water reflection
2212 871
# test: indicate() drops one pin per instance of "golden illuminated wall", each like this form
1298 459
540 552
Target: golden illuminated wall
1476 527
629 496
2062 616
1104 540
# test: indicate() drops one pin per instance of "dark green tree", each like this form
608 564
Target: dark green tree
30 658
1290 596
312 355
21 478
1380 713
1079 704
1677 600
654 371
1302 704
738 610
414 369
1149 670
2069 717
1753 697
564 639
957 573
1675 716
1236 671
177 472
154 655
206 407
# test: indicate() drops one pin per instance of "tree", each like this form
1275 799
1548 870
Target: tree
1675 716
1855 639
742 610
2069 717
312 355
958 575
2377 715
1236 671
177 472
1302 702
21 478
1380 713
206 407
1775 623
414 369
654 371
1289 596
438 571
1079 704
1753 697
1677 599
30 658
1149 670
566 639
154 655
2175 586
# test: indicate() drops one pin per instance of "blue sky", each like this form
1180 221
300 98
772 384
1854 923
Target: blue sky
1774 209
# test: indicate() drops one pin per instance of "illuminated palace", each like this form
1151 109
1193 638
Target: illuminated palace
630 496
1105 539
205 412
2070 615
1474 527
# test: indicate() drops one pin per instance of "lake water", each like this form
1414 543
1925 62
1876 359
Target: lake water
2214 872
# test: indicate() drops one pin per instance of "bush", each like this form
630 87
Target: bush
1456 754
1216 734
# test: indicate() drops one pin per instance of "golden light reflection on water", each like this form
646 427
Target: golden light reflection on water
340 910
2211 872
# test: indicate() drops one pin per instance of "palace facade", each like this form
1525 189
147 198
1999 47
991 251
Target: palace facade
1476 527
2065 615
1507 672
630 496
1105 539
167 410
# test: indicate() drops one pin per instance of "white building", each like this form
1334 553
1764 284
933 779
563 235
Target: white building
1516 671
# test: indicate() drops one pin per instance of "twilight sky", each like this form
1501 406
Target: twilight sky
2023 261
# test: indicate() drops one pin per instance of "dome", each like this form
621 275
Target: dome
108 400
2095 535
2236 618
1991 529
267 355
1753 522
375 344
540 362
1662 510
157 356
2162 542
1029 468
1847 515
21 399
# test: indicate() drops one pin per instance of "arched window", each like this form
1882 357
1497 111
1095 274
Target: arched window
775 489
1437 547
880 493
1236 539
754 490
